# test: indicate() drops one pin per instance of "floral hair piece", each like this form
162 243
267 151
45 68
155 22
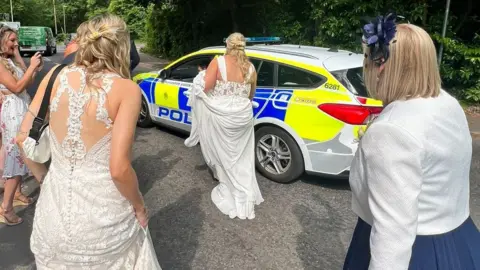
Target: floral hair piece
377 35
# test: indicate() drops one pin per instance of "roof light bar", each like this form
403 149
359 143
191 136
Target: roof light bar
260 39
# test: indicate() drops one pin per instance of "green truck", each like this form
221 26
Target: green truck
34 39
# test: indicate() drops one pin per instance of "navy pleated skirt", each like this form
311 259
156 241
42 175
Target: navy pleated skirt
455 250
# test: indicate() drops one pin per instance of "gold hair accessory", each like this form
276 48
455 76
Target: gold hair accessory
95 35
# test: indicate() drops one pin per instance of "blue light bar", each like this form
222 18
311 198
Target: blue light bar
260 39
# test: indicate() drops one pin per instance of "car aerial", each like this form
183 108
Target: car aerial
34 39
309 105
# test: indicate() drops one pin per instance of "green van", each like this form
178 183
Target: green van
34 39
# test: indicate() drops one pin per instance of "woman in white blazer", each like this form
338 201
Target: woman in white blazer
410 176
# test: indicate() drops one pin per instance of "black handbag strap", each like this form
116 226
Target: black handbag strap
39 121
42 113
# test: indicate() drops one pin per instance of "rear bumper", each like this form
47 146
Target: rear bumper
33 49
332 157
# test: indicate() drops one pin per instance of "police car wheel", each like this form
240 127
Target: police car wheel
277 155
144 120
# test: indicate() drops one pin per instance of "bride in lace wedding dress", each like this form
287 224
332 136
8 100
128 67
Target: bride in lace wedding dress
222 122
90 213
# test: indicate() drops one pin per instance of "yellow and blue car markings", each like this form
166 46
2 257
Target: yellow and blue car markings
296 108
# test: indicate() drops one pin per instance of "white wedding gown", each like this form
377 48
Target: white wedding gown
222 122
81 219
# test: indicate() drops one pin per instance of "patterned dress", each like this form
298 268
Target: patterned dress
13 110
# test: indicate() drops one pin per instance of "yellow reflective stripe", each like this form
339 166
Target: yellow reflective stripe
304 116
166 95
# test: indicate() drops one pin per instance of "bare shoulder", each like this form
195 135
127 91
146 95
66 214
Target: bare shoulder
213 63
126 87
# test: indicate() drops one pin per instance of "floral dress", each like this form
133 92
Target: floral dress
13 110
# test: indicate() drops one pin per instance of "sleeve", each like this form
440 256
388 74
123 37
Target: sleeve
393 170
134 56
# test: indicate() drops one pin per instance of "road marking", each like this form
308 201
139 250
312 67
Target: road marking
46 59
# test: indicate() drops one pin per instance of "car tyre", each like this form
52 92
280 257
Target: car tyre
144 119
268 152
55 50
48 51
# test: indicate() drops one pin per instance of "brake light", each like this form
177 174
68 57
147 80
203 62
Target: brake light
362 100
350 114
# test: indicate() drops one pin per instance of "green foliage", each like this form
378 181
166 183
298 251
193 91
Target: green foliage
61 37
461 67
172 29
133 15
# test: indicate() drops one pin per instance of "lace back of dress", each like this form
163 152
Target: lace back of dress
231 88
79 120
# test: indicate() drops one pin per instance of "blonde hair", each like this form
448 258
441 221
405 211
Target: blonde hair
104 44
236 47
5 32
410 72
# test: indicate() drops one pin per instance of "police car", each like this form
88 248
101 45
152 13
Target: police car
309 105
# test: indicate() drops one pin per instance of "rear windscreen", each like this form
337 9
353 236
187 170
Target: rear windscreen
352 79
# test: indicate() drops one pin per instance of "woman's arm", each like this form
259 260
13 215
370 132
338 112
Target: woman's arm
394 174
17 86
123 133
254 85
211 75
39 170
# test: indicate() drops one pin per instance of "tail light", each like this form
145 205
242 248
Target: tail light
349 113
362 100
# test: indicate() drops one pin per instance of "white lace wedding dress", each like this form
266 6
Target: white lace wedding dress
222 122
81 220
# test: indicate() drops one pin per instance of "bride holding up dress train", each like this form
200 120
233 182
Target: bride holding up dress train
90 213
222 122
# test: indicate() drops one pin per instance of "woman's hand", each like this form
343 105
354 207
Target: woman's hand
20 138
142 216
36 60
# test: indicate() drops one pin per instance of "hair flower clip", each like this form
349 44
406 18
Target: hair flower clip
377 35
95 35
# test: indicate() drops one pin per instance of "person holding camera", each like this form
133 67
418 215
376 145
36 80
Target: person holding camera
14 79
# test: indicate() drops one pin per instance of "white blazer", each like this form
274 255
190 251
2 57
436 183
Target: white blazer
410 176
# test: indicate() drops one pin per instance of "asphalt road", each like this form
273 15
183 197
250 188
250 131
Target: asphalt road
303 225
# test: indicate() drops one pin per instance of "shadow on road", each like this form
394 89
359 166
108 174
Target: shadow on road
15 243
326 182
175 231
148 175
316 250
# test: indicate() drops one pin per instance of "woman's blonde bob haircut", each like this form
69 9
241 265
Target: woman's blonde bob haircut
410 72
104 45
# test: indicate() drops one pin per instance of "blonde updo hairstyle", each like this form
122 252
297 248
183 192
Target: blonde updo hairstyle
411 71
104 45
236 44
5 33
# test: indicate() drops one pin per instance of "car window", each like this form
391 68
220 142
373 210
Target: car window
293 77
352 79
265 74
255 62
187 71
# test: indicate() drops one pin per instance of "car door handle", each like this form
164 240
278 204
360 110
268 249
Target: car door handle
255 104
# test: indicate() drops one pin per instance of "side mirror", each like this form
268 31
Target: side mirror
162 75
